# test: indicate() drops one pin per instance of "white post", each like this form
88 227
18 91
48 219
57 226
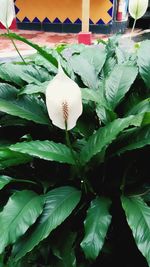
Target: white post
85 15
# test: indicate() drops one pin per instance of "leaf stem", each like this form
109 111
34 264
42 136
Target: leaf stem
8 31
70 146
133 28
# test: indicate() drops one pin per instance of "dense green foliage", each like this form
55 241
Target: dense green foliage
60 212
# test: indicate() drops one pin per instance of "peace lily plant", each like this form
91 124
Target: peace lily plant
74 157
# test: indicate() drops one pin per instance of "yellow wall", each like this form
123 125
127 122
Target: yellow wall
62 9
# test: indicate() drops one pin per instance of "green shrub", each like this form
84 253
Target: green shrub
55 211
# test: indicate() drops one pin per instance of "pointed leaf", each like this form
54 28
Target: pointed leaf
138 218
87 74
30 89
144 61
47 150
141 107
22 74
26 107
60 202
21 211
105 115
4 180
133 140
11 158
90 95
119 83
41 50
105 135
96 225
96 56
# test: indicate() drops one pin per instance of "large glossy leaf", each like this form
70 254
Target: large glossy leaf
105 115
119 83
30 89
41 61
141 107
11 158
60 202
48 150
22 74
144 61
85 70
90 95
41 50
4 180
7 73
21 211
27 107
108 66
96 56
96 225
105 135
133 140
138 217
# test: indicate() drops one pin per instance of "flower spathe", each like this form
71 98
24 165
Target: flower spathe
137 8
7 12
63 101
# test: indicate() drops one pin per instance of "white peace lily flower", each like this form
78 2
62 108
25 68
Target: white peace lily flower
137 8
7 12
63 101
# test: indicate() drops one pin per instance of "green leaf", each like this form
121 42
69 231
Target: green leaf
141 107
47 150
138 218
96 225
135 139
34 89
105 115
95 55
85 70
122 55
41 50
22 74
4 180
21 211
108 67
26 107
60 202
119 83
90 95
9 120
41 61
105 135
10 158
7 73
144 61
63 248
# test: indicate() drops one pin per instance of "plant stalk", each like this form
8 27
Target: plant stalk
133 28
8 31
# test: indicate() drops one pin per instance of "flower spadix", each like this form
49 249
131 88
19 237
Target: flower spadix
63 101
7 12
137 8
